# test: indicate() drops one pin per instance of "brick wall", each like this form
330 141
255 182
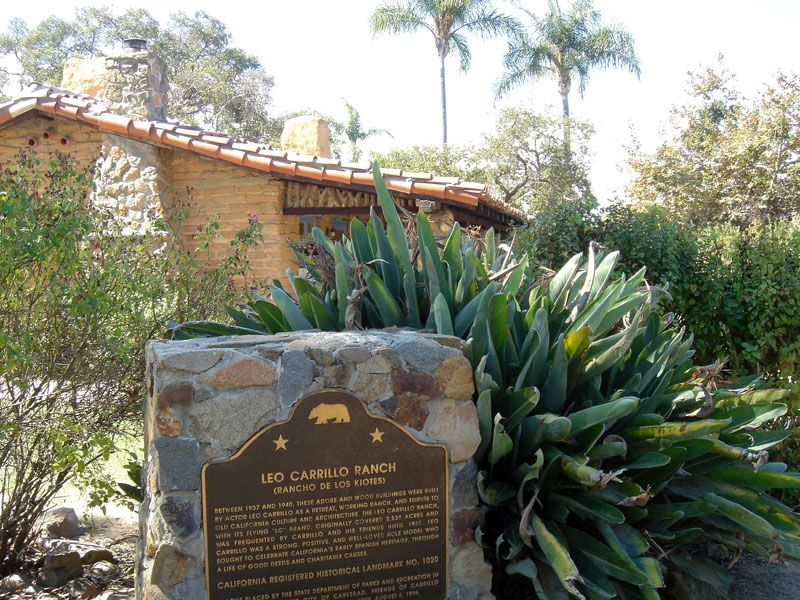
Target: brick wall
45 136
210 188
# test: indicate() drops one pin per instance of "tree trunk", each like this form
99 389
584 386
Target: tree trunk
444 105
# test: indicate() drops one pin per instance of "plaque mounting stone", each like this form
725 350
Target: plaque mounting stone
333 503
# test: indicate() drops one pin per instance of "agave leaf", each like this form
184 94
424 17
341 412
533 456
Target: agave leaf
557 556
703 569
616 546
560 285
756 440
484 406
344 283
576 343
594 579
586 506
441 313
527 472
389 269
322 239
652 569
501 442
490 249
554 390
451 253
676 430
211 329
604 413
754 397
608 450
296 320
242 320
514 279
746 476
495 493
394 227
388 309
518 405
660 476
750 416
478 305
648 460
270 315
322 319
602 274
360 238
524 567
736 512
607 560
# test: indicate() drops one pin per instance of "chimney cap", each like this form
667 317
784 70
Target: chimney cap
134 45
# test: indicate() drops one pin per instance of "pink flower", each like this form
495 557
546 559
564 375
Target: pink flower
252 219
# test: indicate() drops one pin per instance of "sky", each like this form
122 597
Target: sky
321 52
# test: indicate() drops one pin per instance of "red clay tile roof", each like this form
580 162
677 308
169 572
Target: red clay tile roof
88 109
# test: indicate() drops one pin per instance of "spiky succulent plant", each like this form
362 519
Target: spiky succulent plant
605 450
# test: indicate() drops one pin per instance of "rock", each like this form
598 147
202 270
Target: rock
242 372
468 566
195 361
169 566
167 424
421 353
230 419
408 409
415 382
104 569
177 393
297 373
352 354
96 555
62 522
371 388
456 424
178 463
464 490
60 566
83 588
12 583
464 523
376 365
335 376
455 378
181 514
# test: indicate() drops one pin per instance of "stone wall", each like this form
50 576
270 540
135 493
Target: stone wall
129 180
133 84
208 397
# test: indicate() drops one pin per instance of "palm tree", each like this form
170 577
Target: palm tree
356 133
567 45
448 21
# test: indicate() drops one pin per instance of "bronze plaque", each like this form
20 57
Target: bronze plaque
334 503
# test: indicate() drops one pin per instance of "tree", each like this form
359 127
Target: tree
78 301
212 83
447 21
356 133
567 45
523 161
729 159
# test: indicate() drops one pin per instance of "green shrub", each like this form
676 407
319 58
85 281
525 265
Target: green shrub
604 448
77 302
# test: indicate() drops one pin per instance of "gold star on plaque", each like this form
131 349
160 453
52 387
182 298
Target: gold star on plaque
377 436
280 443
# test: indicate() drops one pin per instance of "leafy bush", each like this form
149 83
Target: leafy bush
604 449
77 302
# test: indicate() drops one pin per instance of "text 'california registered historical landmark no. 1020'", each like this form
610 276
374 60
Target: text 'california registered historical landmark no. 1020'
334 503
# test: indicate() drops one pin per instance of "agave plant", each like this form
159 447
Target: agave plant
605 450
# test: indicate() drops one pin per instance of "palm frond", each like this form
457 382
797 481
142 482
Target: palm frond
397 18
460 44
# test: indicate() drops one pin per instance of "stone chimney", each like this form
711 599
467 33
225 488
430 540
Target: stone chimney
307 135
133 83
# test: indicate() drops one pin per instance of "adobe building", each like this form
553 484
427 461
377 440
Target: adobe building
112 112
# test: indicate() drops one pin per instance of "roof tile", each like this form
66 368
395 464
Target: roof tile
216 145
